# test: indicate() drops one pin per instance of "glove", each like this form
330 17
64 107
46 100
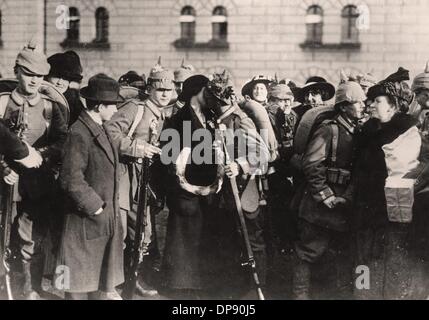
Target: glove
11 178
33 160
145 150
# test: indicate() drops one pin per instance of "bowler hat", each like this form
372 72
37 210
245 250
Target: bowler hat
103 89
328 90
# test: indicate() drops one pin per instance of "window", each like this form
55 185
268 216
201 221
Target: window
101 25
314 23
219 24
349 30
187 23
74 25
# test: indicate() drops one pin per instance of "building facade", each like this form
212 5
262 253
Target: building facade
295 39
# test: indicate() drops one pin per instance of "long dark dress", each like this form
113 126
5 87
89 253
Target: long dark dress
383 246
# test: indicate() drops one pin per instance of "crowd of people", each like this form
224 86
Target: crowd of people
335 175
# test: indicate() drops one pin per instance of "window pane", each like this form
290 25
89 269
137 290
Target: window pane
187 23
74 24
188 30
349 31
102 25
219 23
314 23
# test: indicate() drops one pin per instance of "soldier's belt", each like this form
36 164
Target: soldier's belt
338 176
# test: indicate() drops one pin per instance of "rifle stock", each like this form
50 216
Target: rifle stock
242 224
138 247
6 224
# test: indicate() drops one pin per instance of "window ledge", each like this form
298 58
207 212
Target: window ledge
331 46
85 45
212 44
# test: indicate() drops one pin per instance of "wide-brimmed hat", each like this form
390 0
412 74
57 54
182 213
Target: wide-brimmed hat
394 85
66 66
32 60
103 89
248 87
192 86
318 83
133 79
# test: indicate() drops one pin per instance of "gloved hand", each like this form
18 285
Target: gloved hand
11 178
146 150
232 170
33 160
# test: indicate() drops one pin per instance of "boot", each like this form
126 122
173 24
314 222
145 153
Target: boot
145 291
27 290
301 280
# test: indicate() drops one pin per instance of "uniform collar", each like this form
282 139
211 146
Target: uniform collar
19 99
349 126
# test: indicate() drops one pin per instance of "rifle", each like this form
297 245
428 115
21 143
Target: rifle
5 227
250 262
139 248
6 206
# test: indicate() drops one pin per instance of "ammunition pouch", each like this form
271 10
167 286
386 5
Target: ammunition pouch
338 176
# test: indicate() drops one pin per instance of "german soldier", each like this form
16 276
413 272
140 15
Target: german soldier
41 124
131 127
180 75
323 222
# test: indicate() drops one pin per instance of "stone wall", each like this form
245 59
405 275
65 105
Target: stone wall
264 36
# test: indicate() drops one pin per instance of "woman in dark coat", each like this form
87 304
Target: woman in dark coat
388 149
91 248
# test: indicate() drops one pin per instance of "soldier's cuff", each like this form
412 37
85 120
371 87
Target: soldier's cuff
136 149
244 164
323 195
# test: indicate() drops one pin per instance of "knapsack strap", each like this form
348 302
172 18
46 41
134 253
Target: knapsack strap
334 146
47 112
4 99
137 119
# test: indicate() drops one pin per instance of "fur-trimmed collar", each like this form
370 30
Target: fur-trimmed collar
375 132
